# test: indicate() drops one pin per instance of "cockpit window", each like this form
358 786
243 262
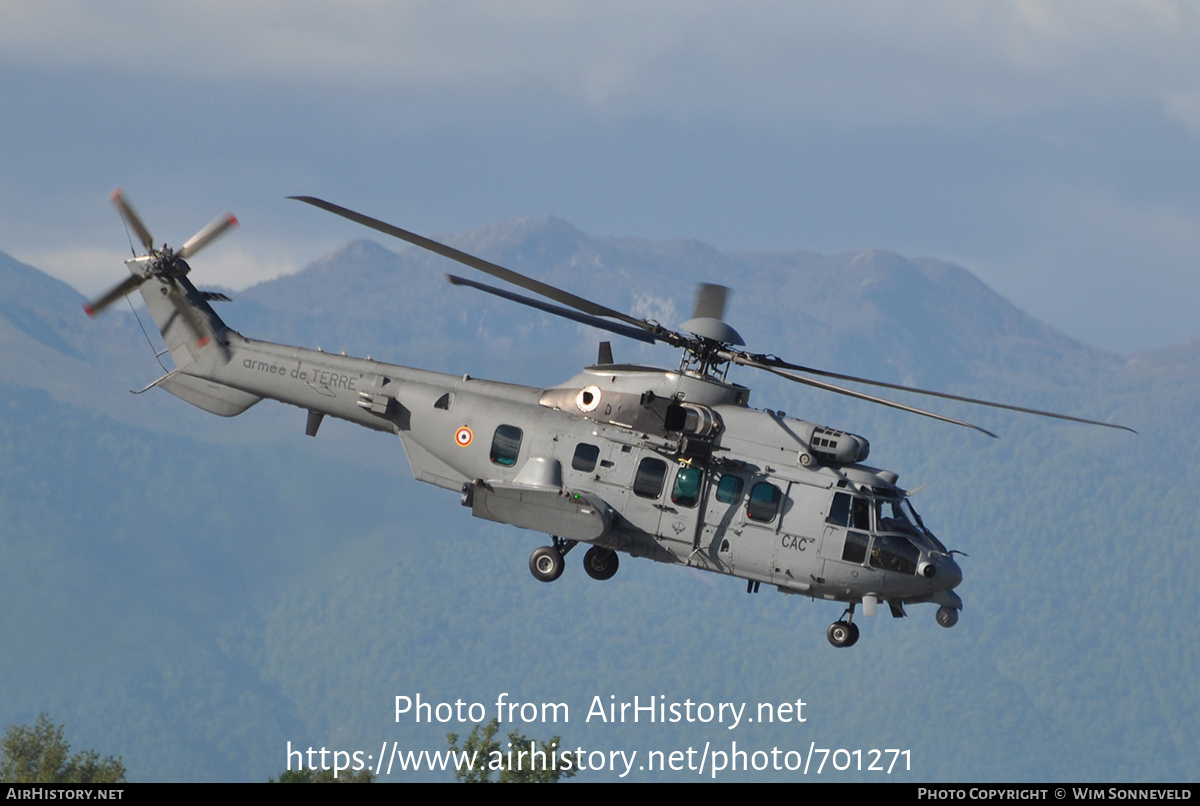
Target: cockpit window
847 510
855 548
894 553
860 514
898 515
890 517
839 510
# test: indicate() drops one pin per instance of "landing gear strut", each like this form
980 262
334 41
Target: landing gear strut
546 563
600 563
843 633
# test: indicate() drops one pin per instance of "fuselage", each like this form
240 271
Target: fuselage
650 462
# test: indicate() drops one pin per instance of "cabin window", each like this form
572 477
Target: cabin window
687 487
585 457
763 503
729 491
506 444
649 479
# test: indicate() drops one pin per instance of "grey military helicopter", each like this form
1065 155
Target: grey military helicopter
671 465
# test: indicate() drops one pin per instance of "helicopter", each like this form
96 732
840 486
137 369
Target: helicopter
672 465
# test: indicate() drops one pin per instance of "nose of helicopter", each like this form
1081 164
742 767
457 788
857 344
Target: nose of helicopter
948 575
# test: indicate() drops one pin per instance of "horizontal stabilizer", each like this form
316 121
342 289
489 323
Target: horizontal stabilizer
209 395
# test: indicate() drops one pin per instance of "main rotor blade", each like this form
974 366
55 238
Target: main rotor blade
207 235
126 286
132 219
566 313
829 387
499 272
769 362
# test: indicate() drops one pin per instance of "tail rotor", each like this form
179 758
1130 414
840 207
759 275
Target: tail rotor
164 264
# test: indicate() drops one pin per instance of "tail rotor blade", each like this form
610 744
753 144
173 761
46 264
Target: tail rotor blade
189 315
166 266
207 235
126 286
132 219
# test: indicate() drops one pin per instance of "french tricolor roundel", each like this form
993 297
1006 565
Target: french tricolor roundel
463 437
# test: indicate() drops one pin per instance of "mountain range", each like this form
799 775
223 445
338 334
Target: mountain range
192 593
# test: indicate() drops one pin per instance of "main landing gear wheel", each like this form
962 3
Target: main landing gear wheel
546 564
947 617
842 634
600 563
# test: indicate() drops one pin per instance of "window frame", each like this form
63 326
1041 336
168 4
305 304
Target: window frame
757 505
699 484
582 463
725 497
644 473
499 452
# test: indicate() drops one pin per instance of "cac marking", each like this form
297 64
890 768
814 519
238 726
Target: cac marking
795 541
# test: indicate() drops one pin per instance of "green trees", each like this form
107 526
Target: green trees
307 776
39 755
522 762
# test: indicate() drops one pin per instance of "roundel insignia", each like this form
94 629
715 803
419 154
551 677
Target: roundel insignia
463 437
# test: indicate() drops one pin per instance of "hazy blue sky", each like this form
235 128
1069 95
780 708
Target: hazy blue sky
1051 147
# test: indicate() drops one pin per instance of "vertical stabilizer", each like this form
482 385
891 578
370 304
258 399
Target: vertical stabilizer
190 328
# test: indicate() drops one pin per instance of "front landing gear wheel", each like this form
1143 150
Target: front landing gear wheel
546 564
947 616
842 634
600 563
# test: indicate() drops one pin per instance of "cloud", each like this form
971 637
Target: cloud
856 62
89 270
94 270
1112 270
969 130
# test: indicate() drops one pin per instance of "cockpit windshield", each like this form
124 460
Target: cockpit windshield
898 515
